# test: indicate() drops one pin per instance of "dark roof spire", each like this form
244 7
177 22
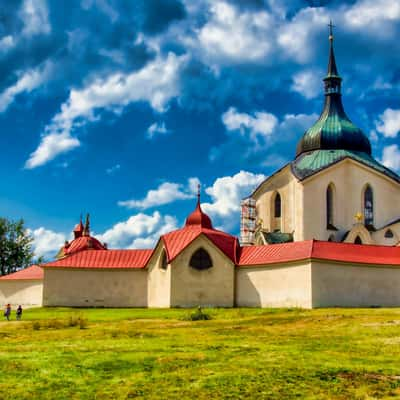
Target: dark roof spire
332 69
86 231
198 194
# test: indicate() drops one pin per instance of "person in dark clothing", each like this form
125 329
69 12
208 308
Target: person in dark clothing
19 313
7 312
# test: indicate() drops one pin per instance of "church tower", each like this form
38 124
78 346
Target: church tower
333 189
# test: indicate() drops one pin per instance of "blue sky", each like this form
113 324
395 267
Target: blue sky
120 108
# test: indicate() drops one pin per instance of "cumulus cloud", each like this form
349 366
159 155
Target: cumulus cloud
389 123
235 36
50 147
372 13
27 82
391 157
158 128
307 83
166 193
265 126
6 43
226 194
295 36
156 83
259 125
46 243
35 16
138 231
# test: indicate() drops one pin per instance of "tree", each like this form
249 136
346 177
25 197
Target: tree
15 246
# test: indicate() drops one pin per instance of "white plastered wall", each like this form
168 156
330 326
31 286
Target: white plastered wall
211 287
349 179
21 292
347 285
78 287
278 285
159 280
291 192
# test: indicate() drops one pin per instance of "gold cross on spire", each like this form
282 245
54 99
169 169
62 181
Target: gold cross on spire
331 26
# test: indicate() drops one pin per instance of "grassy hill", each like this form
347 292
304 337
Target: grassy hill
239 353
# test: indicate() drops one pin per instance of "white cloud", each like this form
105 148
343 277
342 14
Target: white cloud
166 193
226 194
112 170
156 83
27 82
264 125
46 243
391 157
307 83
261 125
6 43
372 13
389 123
50 147
295 36
138 231
235 36
35 16
158 128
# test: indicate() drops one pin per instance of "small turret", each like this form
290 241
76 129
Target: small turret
78 230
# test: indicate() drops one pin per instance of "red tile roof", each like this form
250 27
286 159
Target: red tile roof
275 253
178 240
314 249
104 259
33 272
353 253
82 243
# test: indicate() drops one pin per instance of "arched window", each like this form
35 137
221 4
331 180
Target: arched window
329 207
389 234
368 207
277 206
164 261
358 240
200 260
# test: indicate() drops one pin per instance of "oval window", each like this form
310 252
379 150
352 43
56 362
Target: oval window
200 260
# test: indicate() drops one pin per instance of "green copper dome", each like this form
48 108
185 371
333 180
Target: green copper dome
333 130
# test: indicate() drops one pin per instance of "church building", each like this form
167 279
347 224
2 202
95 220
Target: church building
333 190
322 231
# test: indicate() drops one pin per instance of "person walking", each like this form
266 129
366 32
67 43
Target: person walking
7 312
19 313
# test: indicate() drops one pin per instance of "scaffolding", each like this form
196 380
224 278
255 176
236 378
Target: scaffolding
248 221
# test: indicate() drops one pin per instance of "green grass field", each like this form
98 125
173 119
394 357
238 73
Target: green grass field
239 353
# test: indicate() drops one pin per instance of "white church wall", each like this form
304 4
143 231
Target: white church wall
211 287
21 292
350 179
380 238
348 285
291 194
278 285
159 281
73 287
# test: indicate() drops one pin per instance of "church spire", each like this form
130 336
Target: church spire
86 231
333 130
332 80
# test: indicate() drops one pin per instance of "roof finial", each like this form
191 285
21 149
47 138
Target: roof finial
331 26
198 193
86 231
